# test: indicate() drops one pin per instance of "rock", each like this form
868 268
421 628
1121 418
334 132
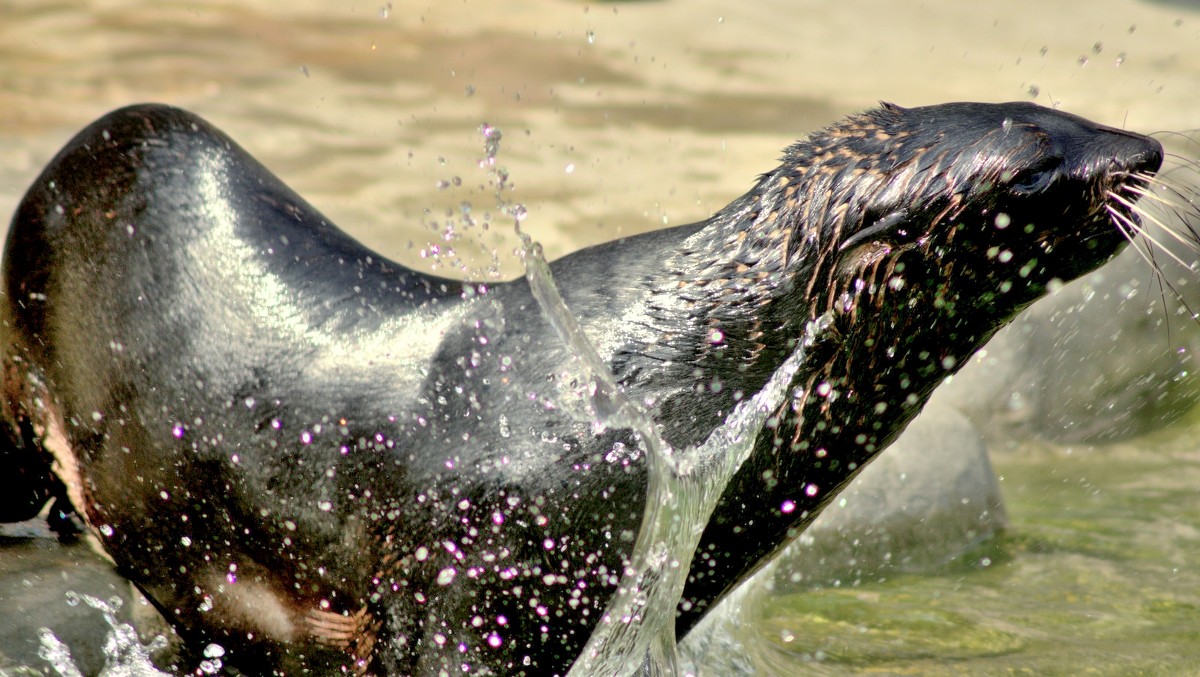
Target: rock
36 574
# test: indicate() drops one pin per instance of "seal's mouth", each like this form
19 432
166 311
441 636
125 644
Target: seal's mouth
1123 169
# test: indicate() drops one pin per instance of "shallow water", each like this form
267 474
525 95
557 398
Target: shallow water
1097 576
626 116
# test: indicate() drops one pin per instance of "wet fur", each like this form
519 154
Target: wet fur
335 436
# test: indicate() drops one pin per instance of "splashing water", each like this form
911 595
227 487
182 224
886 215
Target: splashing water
637 631
124 654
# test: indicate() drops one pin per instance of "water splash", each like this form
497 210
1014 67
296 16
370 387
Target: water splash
124 654
637 631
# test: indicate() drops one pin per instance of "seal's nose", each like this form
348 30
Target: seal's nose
1150 157
1138 153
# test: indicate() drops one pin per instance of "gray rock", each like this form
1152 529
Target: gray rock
36 575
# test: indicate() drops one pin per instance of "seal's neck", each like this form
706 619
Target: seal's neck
723 311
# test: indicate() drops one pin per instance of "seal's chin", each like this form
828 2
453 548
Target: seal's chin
1075 251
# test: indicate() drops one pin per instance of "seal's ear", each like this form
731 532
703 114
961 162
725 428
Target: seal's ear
892 227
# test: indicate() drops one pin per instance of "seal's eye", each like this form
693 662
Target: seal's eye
1036 178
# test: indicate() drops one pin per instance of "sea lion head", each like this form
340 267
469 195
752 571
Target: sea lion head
918 232
938 225
922 231
947 220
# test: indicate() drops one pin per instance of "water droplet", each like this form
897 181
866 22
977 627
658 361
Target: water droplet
324 506
446 576
591 37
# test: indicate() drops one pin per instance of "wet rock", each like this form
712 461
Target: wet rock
36 575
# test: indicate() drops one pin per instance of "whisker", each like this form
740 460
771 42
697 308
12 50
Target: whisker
1184 161
1131 229
1191 140
1184 186
1173 232
1125 224
1178 209
1154 195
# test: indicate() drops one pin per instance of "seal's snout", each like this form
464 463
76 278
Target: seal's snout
1136 152
1150 159
1141 154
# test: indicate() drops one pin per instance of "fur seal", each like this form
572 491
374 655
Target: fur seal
324 461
